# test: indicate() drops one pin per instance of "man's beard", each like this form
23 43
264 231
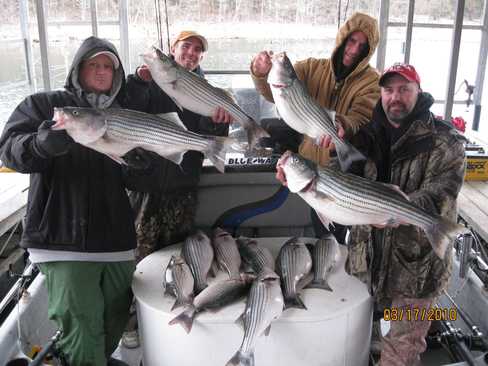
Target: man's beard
398 117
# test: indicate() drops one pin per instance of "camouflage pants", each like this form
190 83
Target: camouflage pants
162 219
405 340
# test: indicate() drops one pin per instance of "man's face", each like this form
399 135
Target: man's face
355 45
188 53
96 74
398 98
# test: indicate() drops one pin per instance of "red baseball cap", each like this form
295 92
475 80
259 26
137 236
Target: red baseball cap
405 70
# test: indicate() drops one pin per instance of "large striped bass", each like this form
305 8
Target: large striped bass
178 281
325 254
198 253
302 113
226 252
192 92
293 264
351 200
264 304
214 297
114 132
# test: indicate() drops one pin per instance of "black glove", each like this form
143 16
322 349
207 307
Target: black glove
139 158
49 143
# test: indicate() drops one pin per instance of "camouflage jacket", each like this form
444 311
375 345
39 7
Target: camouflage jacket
426 160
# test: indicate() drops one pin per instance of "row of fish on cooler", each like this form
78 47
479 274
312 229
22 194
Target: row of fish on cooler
270 285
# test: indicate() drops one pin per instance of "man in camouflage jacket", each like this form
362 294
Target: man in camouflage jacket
424 157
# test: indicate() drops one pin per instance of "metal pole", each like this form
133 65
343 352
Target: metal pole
41 25
94 17
124 33
480 73
408 36
456 41
24 28
383 25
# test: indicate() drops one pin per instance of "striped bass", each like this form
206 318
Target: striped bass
351 200
325 254
264 304
178 281
226 253
114 132
302 113
257 257
293 264
192 92
215 296
198 253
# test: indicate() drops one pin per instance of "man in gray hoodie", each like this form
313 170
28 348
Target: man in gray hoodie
79 226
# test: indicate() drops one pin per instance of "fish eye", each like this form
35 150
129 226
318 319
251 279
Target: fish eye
75 113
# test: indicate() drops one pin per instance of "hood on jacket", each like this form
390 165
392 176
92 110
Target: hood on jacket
357 22
90 46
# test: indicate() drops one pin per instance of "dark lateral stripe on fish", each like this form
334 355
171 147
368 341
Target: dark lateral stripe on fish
369 196
257 301
310 111
153 134
204 94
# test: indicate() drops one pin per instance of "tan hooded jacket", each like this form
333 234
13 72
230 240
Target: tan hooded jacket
353 98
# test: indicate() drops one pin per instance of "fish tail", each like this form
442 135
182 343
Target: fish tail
295 302
348 154
442 233
241 359
321 284
218 147
254 133
185 319
179 302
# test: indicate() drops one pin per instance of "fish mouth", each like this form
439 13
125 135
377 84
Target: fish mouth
283 159
278 86
58 116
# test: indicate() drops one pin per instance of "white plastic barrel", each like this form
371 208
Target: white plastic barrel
335 330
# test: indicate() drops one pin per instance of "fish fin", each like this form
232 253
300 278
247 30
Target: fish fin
254 133
294 302
117 159
267 330
321 284
442 233
179 303
277 112
396 189
185 319
324 220
176 158
347 154
240 321
241 359
174 118
217 151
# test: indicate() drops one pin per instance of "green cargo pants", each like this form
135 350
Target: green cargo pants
90 302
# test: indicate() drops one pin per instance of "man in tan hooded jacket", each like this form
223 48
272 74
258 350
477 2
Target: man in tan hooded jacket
345 83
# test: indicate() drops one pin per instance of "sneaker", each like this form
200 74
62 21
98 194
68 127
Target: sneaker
130 339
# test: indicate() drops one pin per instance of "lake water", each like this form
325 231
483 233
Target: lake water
430 55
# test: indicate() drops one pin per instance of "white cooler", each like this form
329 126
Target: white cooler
335 330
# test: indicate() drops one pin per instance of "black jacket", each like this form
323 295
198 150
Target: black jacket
76 201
